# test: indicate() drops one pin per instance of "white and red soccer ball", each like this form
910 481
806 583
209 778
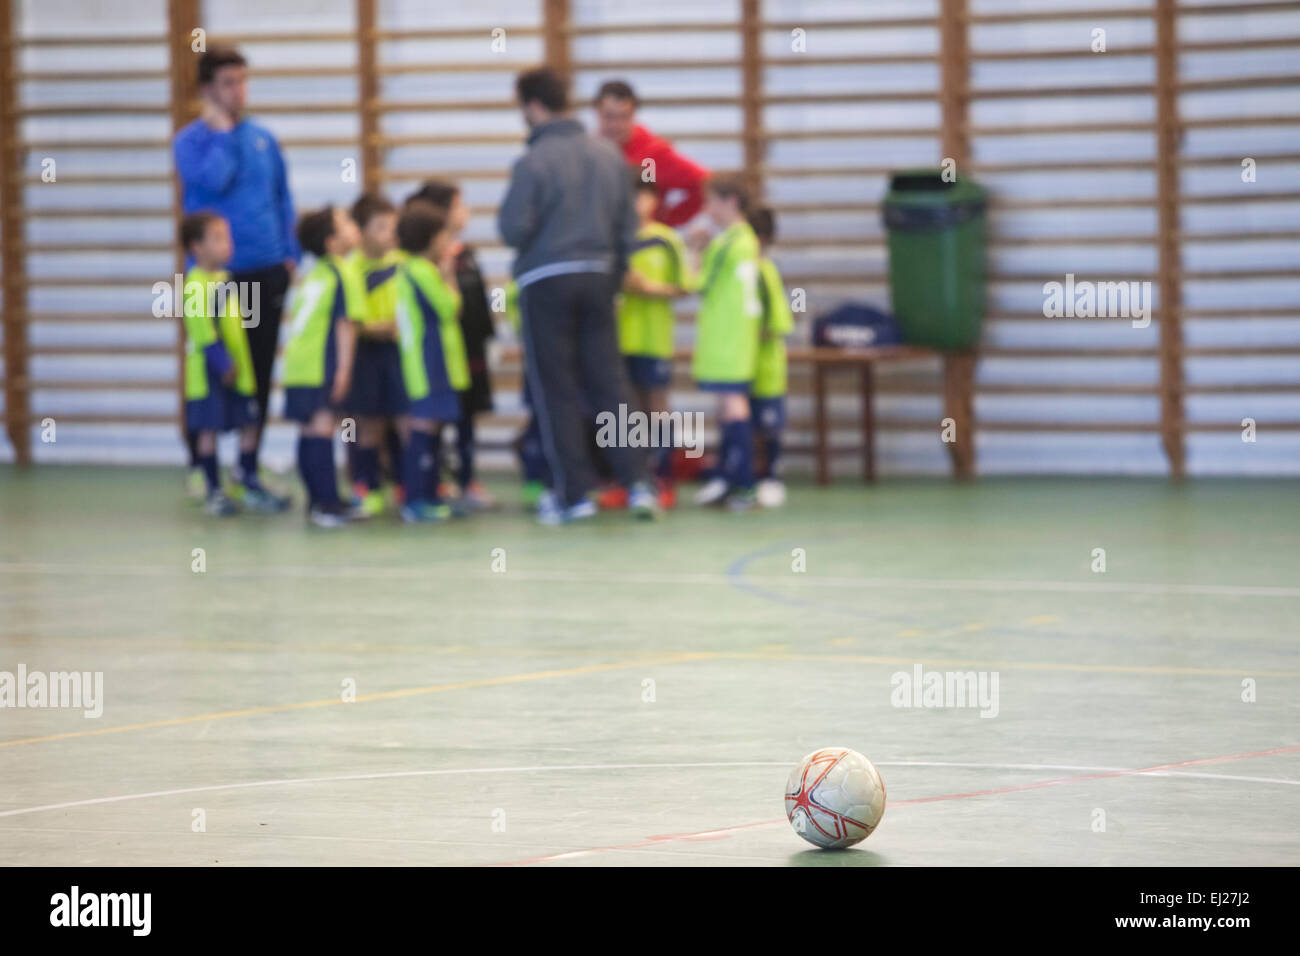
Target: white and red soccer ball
834 798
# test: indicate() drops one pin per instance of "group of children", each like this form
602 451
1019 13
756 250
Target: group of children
389 328
741 327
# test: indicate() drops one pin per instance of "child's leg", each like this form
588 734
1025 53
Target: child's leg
316 459
205 458
393 442
248 442
417 458
465 448
655 401
365 470
737 459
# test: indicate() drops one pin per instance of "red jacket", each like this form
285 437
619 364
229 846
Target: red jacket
672 171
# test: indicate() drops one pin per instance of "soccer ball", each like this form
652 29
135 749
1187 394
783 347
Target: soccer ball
834 798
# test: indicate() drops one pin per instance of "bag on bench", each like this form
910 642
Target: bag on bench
853 325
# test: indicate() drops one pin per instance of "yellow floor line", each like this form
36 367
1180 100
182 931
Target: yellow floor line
1006 665
365 698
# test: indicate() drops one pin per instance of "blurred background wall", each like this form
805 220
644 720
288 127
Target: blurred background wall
1066 138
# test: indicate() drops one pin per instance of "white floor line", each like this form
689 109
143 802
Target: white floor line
458 573
587 767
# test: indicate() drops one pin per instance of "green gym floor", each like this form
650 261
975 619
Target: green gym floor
629 694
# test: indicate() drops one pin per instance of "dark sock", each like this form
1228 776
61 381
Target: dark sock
771 453
248 469
365 467
738 454
663 459
356 474
321 451
304 469
394 443
416 457
465 450
209 465
192 445
435 471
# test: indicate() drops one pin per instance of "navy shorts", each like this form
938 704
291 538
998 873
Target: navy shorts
302 402
222 410
723 388
439 406
647 371
767 414
378 390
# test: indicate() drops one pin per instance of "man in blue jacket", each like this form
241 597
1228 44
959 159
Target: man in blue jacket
232 166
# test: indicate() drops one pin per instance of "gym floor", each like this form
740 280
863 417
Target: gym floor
629 694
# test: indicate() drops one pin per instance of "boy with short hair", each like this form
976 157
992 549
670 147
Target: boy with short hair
220 391
319 354
767 395
658 272
378 393
476 328
434 364
726 345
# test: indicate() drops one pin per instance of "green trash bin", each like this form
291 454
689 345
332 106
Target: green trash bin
936 258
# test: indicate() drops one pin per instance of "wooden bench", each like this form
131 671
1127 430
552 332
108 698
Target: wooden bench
958 381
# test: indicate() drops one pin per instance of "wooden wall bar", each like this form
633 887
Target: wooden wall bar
961 132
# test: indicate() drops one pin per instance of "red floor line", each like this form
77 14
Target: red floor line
722 833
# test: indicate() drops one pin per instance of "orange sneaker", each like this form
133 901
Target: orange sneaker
611 498
667 494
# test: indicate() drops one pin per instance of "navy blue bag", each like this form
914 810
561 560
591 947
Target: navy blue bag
853 325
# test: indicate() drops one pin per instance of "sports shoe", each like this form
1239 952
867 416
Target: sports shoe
612 497
584 509
368 505
478 498
667 492
327 516
196 486
712 493
771 493
551 512
531 494
218 505
642 502
263 502
424 512
742 499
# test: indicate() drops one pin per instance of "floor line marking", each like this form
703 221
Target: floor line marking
571 768
1007 665
724 832
660 578
367 698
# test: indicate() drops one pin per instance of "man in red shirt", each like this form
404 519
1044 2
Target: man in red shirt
679 182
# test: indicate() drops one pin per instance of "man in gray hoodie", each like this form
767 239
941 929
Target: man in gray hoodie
568 214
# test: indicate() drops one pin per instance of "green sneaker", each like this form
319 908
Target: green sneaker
196 486
532 493
373 504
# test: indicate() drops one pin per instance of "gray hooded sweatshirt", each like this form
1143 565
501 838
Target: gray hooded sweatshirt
569 207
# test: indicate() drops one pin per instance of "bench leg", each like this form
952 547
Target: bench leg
959 405
820 426
868 386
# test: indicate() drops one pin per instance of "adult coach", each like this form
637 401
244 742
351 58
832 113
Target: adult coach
230 165
569 215
678 181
